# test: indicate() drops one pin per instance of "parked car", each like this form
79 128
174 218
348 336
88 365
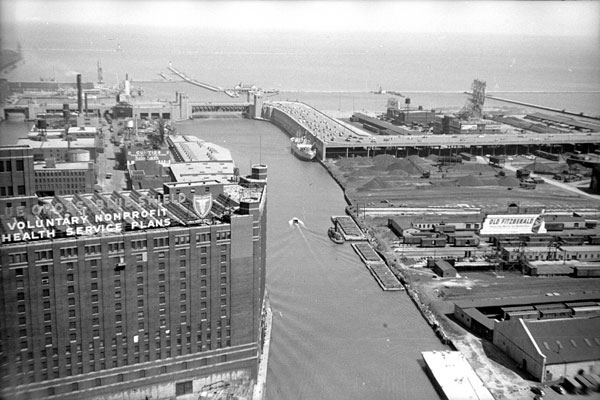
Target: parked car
537 390
558 389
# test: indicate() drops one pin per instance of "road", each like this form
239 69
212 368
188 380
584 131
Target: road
106 164
559 184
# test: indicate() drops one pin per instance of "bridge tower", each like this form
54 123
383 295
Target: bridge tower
256 107
185 110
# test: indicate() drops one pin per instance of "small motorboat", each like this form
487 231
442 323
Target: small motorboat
296 221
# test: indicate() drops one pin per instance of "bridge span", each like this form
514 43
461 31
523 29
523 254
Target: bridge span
335 139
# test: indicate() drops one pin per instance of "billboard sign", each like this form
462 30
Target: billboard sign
508 224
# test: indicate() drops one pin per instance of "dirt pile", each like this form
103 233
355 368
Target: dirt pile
376 183
470 180
406 166
508 181
382 161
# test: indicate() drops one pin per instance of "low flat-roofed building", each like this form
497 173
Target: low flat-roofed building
59 148
475 320
83 132
547 268
198 171
53 179
443 268
513 254
401 227
549 349
191 149
148 174
160 156
475 127
468 222
454 376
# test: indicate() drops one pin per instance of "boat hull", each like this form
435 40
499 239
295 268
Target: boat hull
335 236
304 156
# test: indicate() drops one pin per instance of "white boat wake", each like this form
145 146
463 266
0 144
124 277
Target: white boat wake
296 221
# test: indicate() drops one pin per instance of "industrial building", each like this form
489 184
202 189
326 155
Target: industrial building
481 316
60 148
17 179
135 294
52 178
550 349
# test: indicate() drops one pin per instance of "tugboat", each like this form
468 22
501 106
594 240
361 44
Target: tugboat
335 235
303 149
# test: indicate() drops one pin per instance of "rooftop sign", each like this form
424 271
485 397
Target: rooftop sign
513 224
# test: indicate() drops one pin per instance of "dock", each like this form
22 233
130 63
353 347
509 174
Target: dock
521 103
193 81
454 377
334 139
378 268
348 228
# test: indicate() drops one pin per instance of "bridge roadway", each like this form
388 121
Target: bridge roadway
334 138
197 108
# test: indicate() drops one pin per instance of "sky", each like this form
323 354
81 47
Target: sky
553 18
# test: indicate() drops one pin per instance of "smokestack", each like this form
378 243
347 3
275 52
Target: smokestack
79 97
86 103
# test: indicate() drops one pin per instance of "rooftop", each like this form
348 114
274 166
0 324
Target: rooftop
55 143
192 149
197 171
93 214
566 340
455 376
62 166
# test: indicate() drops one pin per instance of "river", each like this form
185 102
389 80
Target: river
336 334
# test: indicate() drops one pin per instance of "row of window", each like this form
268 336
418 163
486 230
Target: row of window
8 191
6 166
57 173
66 252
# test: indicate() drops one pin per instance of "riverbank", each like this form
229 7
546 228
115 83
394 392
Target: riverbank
491 365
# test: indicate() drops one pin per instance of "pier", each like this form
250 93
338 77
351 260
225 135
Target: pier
454 377
487 96
335 139
377 267
195 82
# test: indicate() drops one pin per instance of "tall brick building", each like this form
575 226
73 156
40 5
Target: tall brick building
140 293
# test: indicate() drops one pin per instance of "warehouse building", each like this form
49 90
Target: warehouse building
550 349
132 294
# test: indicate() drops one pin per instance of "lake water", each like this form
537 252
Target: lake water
335 335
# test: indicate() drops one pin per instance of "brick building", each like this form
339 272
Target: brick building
133 293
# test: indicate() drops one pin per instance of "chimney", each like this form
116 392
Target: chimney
86 103
79 97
